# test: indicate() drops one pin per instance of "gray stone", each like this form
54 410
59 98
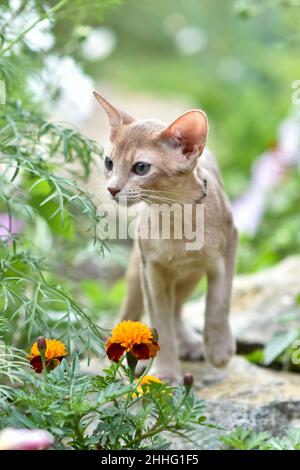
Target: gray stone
243 395
247 395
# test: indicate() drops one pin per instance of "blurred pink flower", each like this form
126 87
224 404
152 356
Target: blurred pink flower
25 439
15 226
248 210
267 173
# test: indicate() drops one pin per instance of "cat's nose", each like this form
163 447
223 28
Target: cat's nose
113 191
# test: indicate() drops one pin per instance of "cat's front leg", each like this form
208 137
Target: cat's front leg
158 291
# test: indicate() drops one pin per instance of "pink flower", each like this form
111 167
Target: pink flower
25 439
8 226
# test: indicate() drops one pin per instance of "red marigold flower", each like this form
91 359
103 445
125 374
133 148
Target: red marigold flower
55 351
133 337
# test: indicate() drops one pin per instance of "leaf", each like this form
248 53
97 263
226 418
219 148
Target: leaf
245 439
278 344
256 356
290 317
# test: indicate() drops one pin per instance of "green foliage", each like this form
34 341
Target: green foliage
290 441
278 235
284 346
246 439
42 199
102 412
30 190
278 344
101 298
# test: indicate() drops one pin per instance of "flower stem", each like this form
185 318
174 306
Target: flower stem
42 353
132 362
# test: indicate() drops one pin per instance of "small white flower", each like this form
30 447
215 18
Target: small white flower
191 40
99 44
40 38
75 101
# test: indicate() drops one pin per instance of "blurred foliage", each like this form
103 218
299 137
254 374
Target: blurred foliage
278 235
282 351
43 209
32 191
247 439
100 298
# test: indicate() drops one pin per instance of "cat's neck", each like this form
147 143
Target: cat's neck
182 189
190 189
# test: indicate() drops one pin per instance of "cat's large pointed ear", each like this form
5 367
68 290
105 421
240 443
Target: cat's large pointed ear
187 133
116 117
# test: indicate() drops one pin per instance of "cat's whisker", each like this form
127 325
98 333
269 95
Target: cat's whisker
163 199
157 196
159 190
155 191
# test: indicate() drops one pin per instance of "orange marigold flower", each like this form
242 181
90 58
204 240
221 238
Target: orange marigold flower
133 337
148 379
54 353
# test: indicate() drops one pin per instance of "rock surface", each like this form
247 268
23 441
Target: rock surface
244 395
258 302
247 395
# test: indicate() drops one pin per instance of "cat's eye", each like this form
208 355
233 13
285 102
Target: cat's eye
141 168
108 163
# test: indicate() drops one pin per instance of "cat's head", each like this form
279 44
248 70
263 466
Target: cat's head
150 160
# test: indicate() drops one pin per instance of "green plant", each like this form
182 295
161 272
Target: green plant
290 441
244 439
110 411
247 439
30 190
43 165
283 347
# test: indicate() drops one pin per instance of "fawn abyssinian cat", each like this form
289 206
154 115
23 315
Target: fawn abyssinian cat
151 162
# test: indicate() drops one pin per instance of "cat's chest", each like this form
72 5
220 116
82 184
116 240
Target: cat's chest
184 240
173 253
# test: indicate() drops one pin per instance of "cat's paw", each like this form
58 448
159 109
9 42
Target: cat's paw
190 346
219 348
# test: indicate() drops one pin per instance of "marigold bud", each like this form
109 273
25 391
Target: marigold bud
41 343
188 380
